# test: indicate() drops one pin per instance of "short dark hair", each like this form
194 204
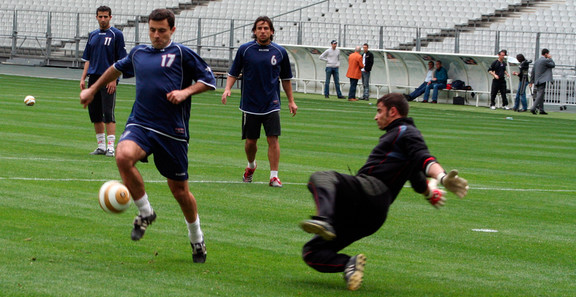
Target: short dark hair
161 14
366 44
438 61
104 9
395 100
503 51
520 58
545 51
263 19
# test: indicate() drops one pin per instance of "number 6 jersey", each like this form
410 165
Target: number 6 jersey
262 67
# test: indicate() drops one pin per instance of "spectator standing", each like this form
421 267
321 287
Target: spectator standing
499 73
438 83
368 60
104 47
265 65
522 83
332 58
541 74
422 88
354 73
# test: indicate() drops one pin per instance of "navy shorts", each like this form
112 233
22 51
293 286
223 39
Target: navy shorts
101 109
170 154
252 124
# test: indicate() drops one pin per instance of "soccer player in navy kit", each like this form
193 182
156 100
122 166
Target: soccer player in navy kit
159 120
104 47
264 65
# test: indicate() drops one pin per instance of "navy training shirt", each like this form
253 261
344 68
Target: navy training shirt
104 47
262 68
159 72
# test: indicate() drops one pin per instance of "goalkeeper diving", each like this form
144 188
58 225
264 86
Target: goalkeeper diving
351 207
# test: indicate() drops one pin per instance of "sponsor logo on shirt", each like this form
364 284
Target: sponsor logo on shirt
180 130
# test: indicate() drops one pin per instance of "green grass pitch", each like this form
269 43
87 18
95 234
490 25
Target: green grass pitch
56 241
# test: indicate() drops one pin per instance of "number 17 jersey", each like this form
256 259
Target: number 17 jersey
159 72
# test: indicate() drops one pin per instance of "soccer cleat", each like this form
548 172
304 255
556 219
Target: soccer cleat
98 151
248 173
492 107
319 227
110 153
198 252
275 182
140 225
354 272
506 107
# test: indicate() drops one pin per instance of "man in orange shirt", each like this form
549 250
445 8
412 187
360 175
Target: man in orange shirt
354 73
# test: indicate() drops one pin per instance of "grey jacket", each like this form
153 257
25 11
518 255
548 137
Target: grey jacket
542 71
332 57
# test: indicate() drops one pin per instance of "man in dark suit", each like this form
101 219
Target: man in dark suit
541 73
368 60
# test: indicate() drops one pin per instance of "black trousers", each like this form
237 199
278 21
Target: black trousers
356 206
498 85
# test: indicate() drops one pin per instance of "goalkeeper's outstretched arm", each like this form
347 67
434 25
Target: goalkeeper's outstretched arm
451 181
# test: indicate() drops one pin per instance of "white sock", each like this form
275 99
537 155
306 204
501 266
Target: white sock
144 207
273 174
252 164
111 141
194 232
101 138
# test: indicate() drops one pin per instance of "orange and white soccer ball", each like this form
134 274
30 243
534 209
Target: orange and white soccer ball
29 100
114 197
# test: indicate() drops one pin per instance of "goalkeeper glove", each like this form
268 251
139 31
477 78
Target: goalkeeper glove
435 196
453 183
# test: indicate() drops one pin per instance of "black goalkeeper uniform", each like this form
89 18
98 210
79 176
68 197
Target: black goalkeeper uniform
357 206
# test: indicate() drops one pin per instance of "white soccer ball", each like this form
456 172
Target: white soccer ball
29 100
114 197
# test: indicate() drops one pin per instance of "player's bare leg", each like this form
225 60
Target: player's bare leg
189 208
128 154
274 159
250 147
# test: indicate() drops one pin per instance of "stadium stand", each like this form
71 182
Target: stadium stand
216 28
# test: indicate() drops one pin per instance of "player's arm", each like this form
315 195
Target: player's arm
287 85
230 81
178 96
323 56
87 95
84 75
451 181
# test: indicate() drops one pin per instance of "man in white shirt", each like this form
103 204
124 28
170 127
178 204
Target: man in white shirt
332 58
420 90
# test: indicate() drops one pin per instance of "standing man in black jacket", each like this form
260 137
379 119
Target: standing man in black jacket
352 207
368 61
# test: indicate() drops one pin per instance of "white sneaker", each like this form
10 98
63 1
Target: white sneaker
110 153
493 107
275 182
506 107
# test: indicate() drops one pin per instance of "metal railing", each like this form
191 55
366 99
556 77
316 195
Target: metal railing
60 37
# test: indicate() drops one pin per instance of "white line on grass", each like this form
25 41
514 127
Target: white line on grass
147 181
52 159
240 182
